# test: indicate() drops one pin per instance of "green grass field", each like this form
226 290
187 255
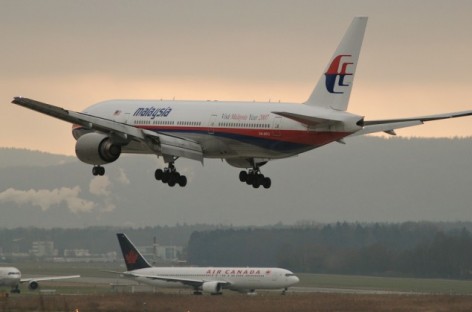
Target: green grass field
415 285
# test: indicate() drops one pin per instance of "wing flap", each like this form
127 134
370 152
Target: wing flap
176 146
310 121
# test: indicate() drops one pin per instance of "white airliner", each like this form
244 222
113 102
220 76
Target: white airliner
210 279
11 277
245 134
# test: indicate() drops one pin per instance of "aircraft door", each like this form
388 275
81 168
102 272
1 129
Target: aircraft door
120 116
212 124
276 126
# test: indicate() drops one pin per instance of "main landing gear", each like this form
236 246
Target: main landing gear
170 176
15 290
255 178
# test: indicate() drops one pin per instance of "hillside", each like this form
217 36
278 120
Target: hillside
368 179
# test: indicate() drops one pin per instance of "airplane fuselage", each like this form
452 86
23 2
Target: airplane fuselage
227 129
238 279
9 277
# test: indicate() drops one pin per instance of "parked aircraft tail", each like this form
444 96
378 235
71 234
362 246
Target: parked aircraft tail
133 258
334 87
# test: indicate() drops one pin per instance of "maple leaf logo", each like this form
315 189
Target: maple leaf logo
268 272
131 257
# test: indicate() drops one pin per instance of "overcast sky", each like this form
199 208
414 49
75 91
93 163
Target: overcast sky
416 58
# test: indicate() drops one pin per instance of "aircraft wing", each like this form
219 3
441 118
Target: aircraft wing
389 125
184 281
159 142
49 278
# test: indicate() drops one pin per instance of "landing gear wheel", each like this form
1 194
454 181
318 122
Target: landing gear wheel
98 170
255 178
165 177
267 183
183 181
243 176
158 174
250 179
170 176
255 182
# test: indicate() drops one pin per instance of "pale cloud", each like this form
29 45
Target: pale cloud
45 199
108 206
100 186
122 177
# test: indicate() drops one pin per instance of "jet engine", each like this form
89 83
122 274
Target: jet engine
96 149
213 288
33 285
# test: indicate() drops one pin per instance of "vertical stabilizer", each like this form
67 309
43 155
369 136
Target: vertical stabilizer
334 87
133 258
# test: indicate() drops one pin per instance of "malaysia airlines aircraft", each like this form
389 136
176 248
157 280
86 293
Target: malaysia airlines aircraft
245 134
210 279
11 277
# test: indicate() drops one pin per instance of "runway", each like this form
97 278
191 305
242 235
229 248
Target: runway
119 284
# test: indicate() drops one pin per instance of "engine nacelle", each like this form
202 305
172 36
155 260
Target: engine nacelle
245 162
96 149
212 287
33 285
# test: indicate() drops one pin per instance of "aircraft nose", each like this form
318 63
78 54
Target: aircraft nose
294 279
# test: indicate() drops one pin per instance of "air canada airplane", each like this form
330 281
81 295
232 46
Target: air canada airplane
210 279
245 134
11 277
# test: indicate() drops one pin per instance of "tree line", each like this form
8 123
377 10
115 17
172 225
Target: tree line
439 250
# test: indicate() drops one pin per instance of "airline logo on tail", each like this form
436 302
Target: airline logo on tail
338 67
131 257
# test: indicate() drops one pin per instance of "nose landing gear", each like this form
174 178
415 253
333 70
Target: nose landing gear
98 170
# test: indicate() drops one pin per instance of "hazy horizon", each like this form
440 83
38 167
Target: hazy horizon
367 180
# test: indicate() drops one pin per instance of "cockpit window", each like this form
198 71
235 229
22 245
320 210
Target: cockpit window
289 274
13 273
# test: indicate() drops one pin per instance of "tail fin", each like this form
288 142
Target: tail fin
133 259
334 87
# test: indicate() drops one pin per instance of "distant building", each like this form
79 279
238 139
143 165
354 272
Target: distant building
43 249
76 253
157 253
84 255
